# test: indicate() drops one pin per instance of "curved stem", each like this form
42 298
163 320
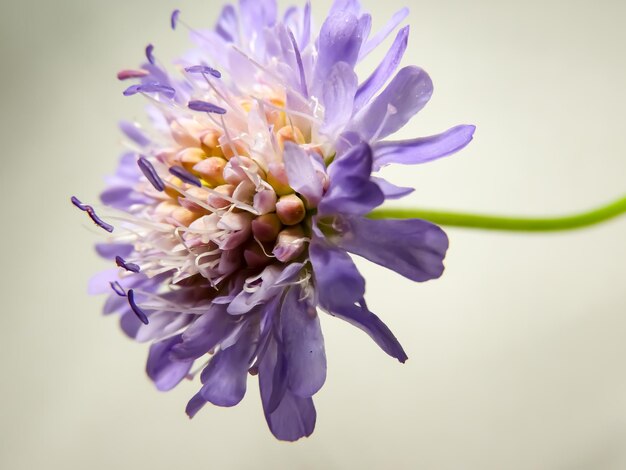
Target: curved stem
518 224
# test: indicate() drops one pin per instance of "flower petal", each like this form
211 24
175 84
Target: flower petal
301 173
391 191
362 318
165 372
337 279
225 377
303 345
383 72
424 149
379 37
340 287
206 332
406 94
350 190
339 41
293 417
338 94
413 248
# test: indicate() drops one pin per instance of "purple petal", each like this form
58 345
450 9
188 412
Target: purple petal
99 282
383 72
350 190
408 92
340 288
194 405
301 173
349 6
374 42
391 191
226 375
362 318
338 97
111 250
424 149
339 41
165 372
303 86
413 248
228 24
257 15
337 279
206 332
303 345
133 132
293 417
162 324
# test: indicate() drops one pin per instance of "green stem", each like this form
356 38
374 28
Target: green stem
517 224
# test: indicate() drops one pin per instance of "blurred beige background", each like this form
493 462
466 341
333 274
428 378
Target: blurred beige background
516 355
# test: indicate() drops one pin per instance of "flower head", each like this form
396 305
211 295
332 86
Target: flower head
236 210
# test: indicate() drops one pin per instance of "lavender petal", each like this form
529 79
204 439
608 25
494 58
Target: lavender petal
424 149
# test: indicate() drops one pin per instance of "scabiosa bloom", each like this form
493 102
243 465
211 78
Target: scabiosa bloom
235 211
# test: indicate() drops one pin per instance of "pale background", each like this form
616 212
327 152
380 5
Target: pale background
517 355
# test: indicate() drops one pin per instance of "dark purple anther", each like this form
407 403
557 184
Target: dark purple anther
119 290
149 54
150 88
184 175
136 310
150 173
98 221
79 204
206 107
203 69
92 214
174 18
126 74
132 267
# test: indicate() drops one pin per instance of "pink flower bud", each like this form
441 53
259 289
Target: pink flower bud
290 209
265 201
211 170
289 244
218 202
265 228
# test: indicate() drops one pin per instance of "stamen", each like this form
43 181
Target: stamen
150 173
168 91
119 290
136 310
174 18
132 267
126 74
203 69
77 203
92 214
149 54
184 175
206 107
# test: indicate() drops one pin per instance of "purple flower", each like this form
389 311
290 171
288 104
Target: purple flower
240 204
